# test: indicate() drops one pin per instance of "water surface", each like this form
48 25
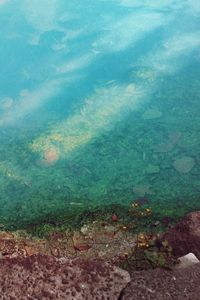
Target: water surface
99 104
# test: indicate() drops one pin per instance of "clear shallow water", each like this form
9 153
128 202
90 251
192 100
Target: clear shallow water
99 104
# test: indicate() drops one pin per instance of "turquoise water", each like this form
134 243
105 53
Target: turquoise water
99 104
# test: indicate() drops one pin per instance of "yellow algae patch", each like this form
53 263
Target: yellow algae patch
57 137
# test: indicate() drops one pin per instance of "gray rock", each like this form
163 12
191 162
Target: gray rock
184 164
187 261
160 284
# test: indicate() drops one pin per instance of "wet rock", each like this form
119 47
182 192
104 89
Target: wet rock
184 164
163 147
82 247
30 250
45 277
185 236
186 261
84 229
142 189
169 144
164 284
174 137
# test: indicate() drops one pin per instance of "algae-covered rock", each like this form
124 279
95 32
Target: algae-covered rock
184 164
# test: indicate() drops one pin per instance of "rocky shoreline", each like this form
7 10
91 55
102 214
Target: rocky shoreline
102 261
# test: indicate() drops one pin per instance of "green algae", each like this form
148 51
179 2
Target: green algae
115 167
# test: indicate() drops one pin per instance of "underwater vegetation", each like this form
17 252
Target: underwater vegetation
160 162
98 116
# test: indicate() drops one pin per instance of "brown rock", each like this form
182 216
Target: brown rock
45 277
55 252
82 247
6 235
185 236
30 250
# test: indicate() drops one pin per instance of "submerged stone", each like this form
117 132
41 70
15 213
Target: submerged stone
152 169
184 164
163 147
51 156
142 189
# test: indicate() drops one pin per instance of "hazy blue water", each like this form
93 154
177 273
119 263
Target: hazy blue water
99 103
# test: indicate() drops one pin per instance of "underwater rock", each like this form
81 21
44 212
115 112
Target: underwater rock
169 144
51 156
45 277
184 164
174 137
163 147
142 189
152 169
164 284
185 236
152 113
